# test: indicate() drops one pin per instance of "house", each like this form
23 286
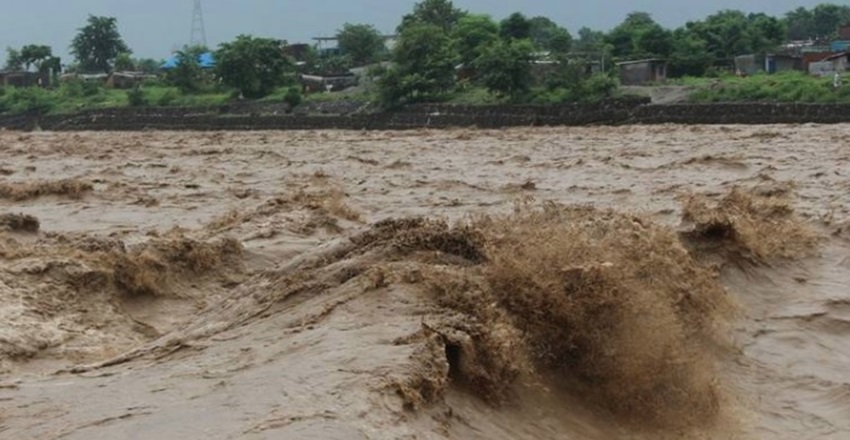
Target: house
839 62
24 79
776 63
635 73
770 63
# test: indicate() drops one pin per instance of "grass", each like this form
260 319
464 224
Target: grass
782 87
73 97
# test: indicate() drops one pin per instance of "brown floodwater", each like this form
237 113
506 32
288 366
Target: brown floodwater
226 285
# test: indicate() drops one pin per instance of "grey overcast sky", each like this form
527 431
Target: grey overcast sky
153 28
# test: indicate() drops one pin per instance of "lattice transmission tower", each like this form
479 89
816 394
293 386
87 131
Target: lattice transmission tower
199 32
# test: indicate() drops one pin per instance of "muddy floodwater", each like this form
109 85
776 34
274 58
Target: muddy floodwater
636 282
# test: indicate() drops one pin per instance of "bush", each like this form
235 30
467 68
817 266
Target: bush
136 97
91 88
168 98
782 87
29 100
72 88
293 97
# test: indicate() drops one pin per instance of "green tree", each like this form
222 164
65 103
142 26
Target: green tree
425 59
766 32
726 34
654 41
689 56
362 42
440 13
547 35
589 41
124 62
505 67
98 44
624 38
827 18
148 65
14 61
37 55
254 66
800 24
187 75
515 27
472 34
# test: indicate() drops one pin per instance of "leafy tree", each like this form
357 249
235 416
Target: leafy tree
331 65
766 32
827 18
98 44
148 65
515 27
726 34
624 38
425 61
440 13
472 34
14 61
654 41
187 75
547 35
254 66
36 55
362 42
124 62
800 24
589 41
689 56
505 67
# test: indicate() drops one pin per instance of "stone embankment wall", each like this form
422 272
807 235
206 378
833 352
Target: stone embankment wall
619 112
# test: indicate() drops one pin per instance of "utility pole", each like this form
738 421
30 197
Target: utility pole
198 36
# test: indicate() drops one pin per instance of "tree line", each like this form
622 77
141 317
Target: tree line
442 50
502 56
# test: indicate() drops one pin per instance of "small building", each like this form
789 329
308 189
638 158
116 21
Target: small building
635 73
835 63
24 79
748 65
316 83
770 63
127 80
776 63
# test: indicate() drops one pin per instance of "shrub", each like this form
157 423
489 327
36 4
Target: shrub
91 88
168 98
30 100
293 97
136 97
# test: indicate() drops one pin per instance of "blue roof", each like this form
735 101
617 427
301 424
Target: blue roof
206 61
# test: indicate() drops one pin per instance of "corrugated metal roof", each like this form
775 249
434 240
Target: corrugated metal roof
206 60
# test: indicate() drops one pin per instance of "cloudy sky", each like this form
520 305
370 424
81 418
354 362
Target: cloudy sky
153 28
